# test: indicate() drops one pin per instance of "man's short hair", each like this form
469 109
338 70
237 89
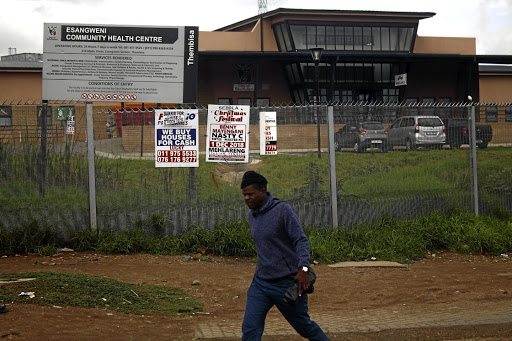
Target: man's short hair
253 178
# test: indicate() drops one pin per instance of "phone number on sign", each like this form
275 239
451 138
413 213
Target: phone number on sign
177 153
183 159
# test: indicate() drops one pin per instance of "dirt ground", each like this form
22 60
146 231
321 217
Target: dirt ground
438 281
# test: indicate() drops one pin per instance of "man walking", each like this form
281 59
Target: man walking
283 258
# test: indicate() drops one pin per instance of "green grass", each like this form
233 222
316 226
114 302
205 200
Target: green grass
124 184
401 240
65 289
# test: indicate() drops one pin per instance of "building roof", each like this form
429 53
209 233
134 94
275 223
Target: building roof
325 12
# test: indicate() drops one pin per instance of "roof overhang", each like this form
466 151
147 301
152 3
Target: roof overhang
343 56
332 13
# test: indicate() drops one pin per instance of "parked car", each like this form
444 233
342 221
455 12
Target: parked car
417 131
361 136
457 133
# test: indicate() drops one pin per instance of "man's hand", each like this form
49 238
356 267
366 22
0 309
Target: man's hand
302 279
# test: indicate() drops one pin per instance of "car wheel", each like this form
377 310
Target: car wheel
336 146
482 145
385 148
409 145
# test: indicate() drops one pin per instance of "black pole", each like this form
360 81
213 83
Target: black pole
317 109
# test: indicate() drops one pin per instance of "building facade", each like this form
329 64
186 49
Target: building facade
266 60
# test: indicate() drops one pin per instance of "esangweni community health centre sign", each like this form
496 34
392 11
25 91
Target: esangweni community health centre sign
120 63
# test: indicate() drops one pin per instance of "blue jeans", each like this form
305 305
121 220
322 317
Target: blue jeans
262 295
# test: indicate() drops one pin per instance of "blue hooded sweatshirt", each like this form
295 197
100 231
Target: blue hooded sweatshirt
280 241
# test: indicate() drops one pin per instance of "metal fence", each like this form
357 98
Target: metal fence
375 178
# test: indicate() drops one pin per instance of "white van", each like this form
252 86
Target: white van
417 131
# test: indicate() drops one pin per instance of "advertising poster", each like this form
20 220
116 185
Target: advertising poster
268 133
70 123
93 63
228 133
176 138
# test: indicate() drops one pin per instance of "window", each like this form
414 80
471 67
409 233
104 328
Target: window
49 115
299 36
390 95
491 113
508 113
333 36
346 96
243 101
225 101
263 102
5 116
279 37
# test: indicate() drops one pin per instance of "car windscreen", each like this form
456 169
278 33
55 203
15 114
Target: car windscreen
429 122
372 126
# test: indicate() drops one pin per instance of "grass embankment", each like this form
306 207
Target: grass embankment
387 239
65 289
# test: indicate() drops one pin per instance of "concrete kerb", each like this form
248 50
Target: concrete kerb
372 320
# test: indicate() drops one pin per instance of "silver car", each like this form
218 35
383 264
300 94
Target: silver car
417 131
361 136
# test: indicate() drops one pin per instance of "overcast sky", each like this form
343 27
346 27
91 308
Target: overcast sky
489 21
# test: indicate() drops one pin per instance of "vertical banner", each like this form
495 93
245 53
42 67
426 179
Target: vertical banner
176 138
227 135
268 133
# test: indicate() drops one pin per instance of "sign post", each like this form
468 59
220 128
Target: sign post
106 63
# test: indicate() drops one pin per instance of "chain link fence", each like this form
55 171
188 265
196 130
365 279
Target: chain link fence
391 160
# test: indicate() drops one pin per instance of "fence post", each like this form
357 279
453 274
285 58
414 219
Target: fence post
42 169
472 157
332 166
92 170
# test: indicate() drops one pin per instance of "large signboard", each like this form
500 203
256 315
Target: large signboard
228 133
120 63
268 133
176 138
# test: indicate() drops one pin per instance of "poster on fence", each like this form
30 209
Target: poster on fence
228 133
268 133
70 124
176 138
